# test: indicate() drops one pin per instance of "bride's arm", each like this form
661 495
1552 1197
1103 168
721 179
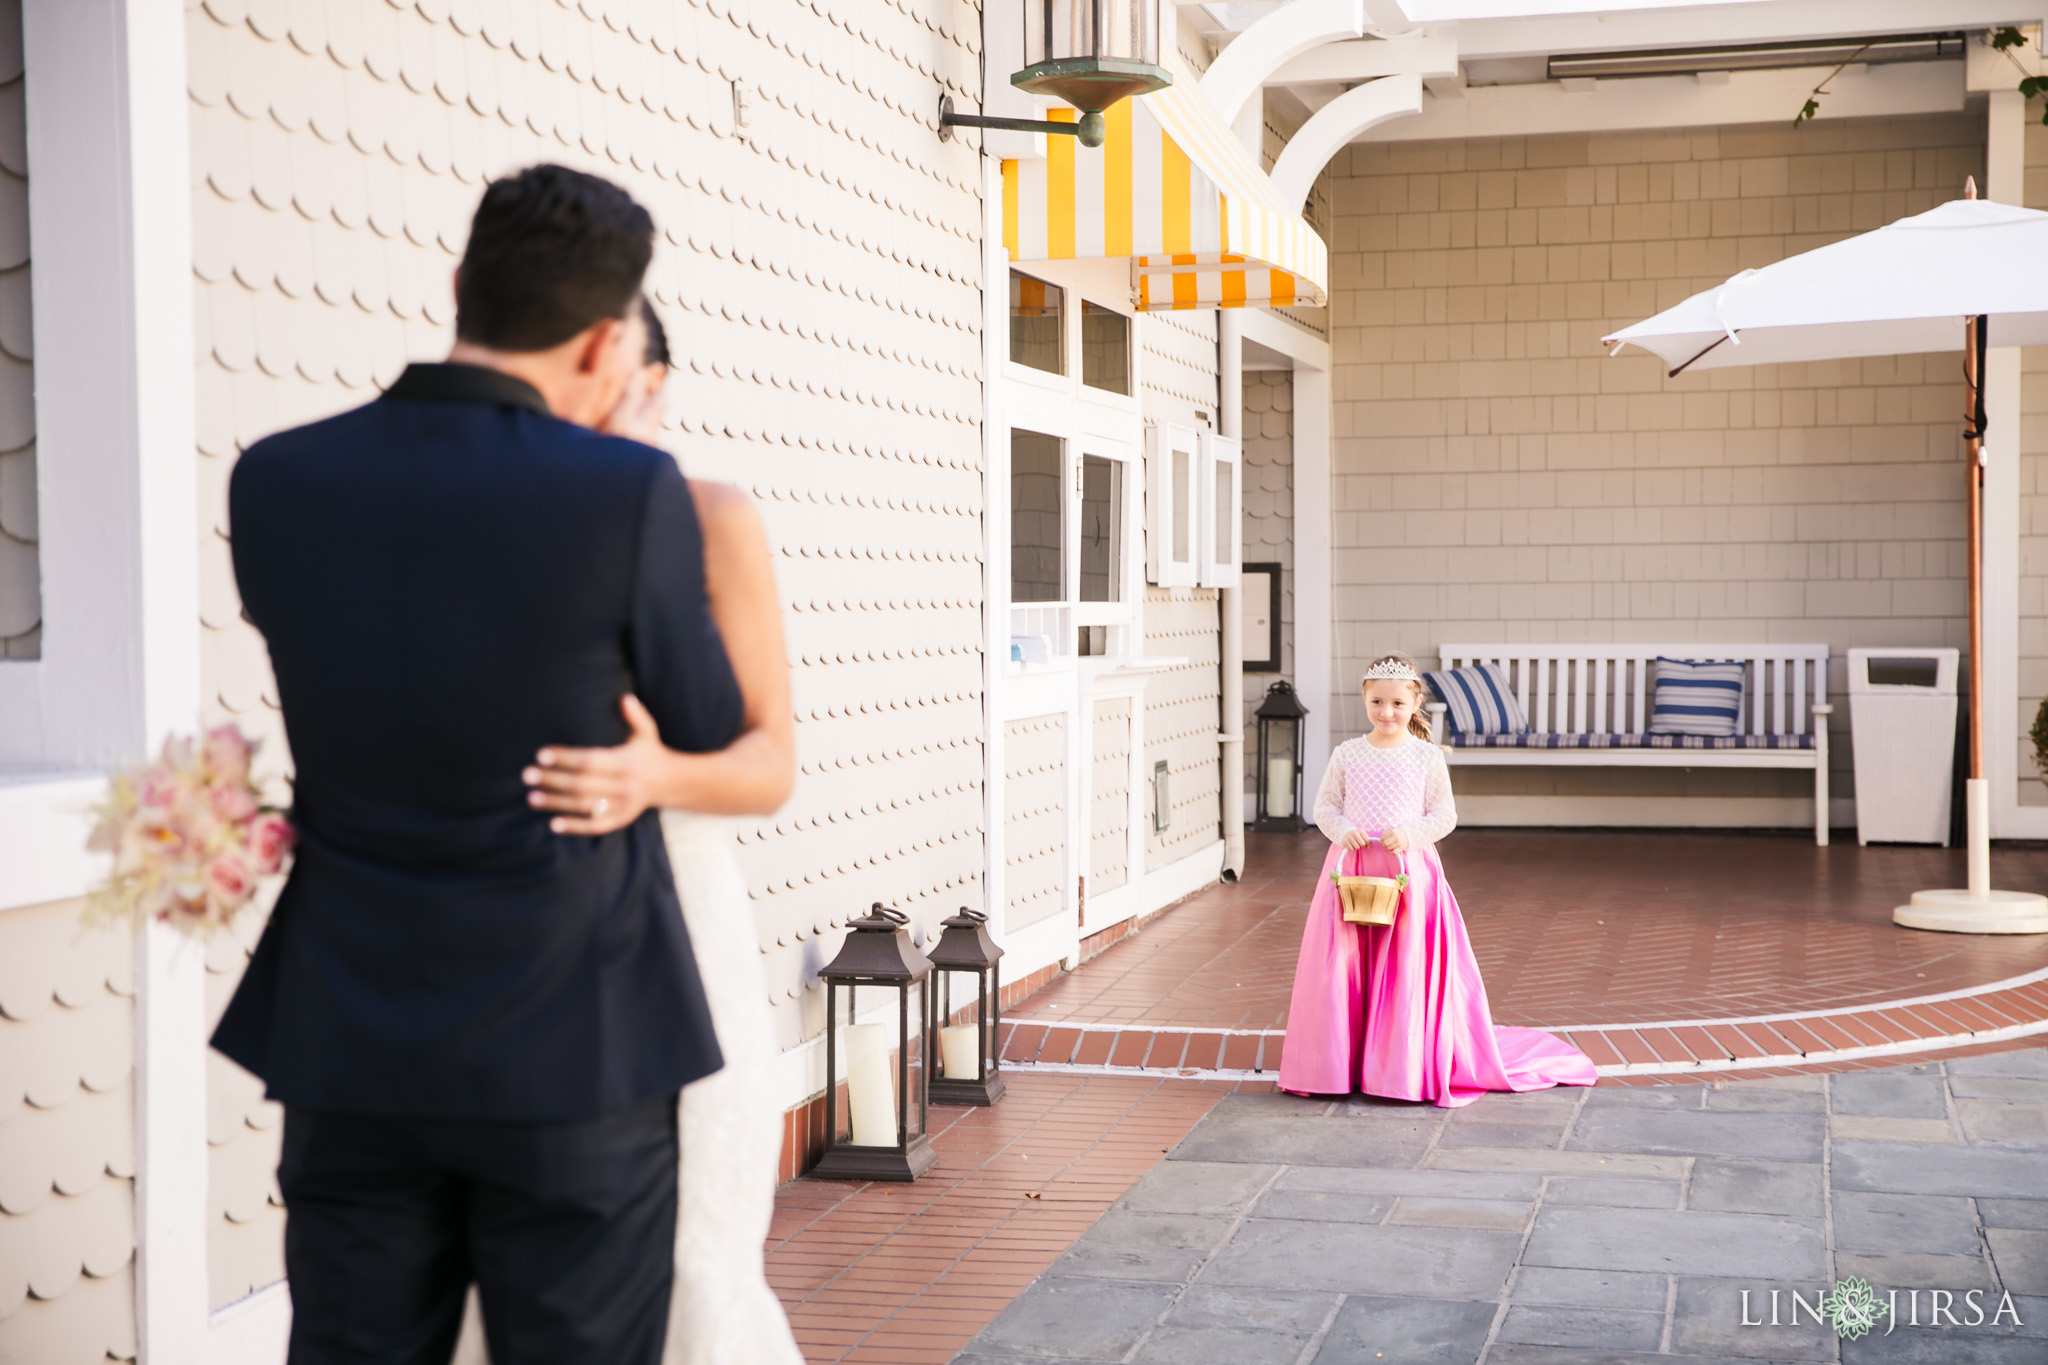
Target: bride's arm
754 774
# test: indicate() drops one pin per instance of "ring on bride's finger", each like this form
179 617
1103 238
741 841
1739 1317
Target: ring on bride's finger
600 806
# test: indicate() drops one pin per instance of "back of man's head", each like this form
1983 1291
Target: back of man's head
551 252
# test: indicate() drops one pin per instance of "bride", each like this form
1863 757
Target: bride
730 1127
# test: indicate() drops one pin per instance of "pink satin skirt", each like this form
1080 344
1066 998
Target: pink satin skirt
1399 1010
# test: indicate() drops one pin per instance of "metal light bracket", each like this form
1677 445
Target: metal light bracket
1089 130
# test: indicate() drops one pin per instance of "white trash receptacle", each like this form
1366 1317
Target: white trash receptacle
1902 723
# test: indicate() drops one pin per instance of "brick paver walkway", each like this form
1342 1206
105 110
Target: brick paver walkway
1655 953
1596 927
907 1274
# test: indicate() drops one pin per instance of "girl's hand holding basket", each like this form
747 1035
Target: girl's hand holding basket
1369 900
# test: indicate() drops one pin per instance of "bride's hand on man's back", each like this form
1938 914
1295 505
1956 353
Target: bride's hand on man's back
596 791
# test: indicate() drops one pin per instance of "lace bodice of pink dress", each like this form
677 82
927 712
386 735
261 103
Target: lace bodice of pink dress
1407 787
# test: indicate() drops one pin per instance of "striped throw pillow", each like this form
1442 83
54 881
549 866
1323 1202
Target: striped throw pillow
1478 700
1693 698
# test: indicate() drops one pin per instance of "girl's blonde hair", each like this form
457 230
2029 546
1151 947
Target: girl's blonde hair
1418 721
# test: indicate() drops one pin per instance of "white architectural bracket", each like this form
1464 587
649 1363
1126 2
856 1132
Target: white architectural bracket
1334 127
1431 56
1254 55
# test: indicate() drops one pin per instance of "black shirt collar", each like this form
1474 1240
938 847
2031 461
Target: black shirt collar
452 383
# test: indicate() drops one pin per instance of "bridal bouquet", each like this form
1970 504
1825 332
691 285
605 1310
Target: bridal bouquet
189 835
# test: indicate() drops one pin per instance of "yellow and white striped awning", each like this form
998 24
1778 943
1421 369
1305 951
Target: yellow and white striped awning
1172 189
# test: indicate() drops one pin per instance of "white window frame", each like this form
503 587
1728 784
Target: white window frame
1222 559
1087 421
1164 443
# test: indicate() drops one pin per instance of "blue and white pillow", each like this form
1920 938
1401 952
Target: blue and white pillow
1692 698
1479 700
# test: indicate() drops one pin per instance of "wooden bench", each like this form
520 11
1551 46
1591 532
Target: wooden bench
1589 706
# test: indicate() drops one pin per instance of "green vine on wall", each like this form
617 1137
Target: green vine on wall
2039 735
2005 40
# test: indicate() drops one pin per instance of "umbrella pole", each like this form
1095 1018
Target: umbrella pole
1976 792
1977 909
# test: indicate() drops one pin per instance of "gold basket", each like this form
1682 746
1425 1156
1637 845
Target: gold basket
1370 900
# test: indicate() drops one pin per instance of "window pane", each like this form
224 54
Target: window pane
1037 510
1102 528
1037 324
1105 349
1183 493
1226 542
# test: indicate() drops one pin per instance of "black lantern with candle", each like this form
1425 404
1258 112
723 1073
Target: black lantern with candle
965 1065
1280 716
880 1132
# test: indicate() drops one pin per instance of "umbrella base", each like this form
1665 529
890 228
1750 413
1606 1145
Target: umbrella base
1960 912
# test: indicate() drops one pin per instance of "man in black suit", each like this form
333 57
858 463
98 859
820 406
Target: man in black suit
478 1027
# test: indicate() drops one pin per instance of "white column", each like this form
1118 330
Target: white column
995 523
109 223
1230 422
170 1156
2005 181
1314 495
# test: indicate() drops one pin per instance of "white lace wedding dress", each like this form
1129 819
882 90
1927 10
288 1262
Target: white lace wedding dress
723 1312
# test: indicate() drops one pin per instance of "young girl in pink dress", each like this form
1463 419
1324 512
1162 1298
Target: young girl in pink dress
1399 1010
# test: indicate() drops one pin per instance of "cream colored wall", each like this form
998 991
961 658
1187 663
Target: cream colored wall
21 606
1181 715
1034 819
1498 477
2033 561
819 274
1268 529
244 1135
1109 796
67 1139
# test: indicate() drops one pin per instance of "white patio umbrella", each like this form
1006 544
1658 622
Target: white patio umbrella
1968 274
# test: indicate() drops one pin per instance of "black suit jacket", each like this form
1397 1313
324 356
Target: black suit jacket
448 579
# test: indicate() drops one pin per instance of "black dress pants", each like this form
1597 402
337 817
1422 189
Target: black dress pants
567 1230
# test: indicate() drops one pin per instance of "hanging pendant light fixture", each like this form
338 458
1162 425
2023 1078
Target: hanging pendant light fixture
1090 53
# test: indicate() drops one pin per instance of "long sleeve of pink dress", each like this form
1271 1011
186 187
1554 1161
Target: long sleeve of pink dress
1376 790
1399 1010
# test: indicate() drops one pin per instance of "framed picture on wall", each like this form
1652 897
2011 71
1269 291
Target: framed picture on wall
1258 598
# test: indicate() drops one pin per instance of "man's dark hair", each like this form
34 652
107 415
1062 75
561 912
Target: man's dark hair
551 252
657 335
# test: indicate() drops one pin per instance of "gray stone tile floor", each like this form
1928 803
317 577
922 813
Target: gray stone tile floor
1576 1227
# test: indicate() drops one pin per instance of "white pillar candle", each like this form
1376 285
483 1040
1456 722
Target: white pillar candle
1280 787
870 1091
960 1051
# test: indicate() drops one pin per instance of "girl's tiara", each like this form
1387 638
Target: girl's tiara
1392 668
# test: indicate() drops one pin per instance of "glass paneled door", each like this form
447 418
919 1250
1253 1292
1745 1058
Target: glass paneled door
1066 450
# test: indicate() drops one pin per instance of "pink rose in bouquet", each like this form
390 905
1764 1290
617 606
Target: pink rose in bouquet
270 838
188 834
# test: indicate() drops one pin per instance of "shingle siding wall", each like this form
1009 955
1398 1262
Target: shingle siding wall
2033 560
1109 823
21 608
1034 819
1268 528
819 274
244 1134
1498 477
67 1139
1179 386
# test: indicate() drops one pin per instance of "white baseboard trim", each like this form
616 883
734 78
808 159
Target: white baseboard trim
1651 812
253 1330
